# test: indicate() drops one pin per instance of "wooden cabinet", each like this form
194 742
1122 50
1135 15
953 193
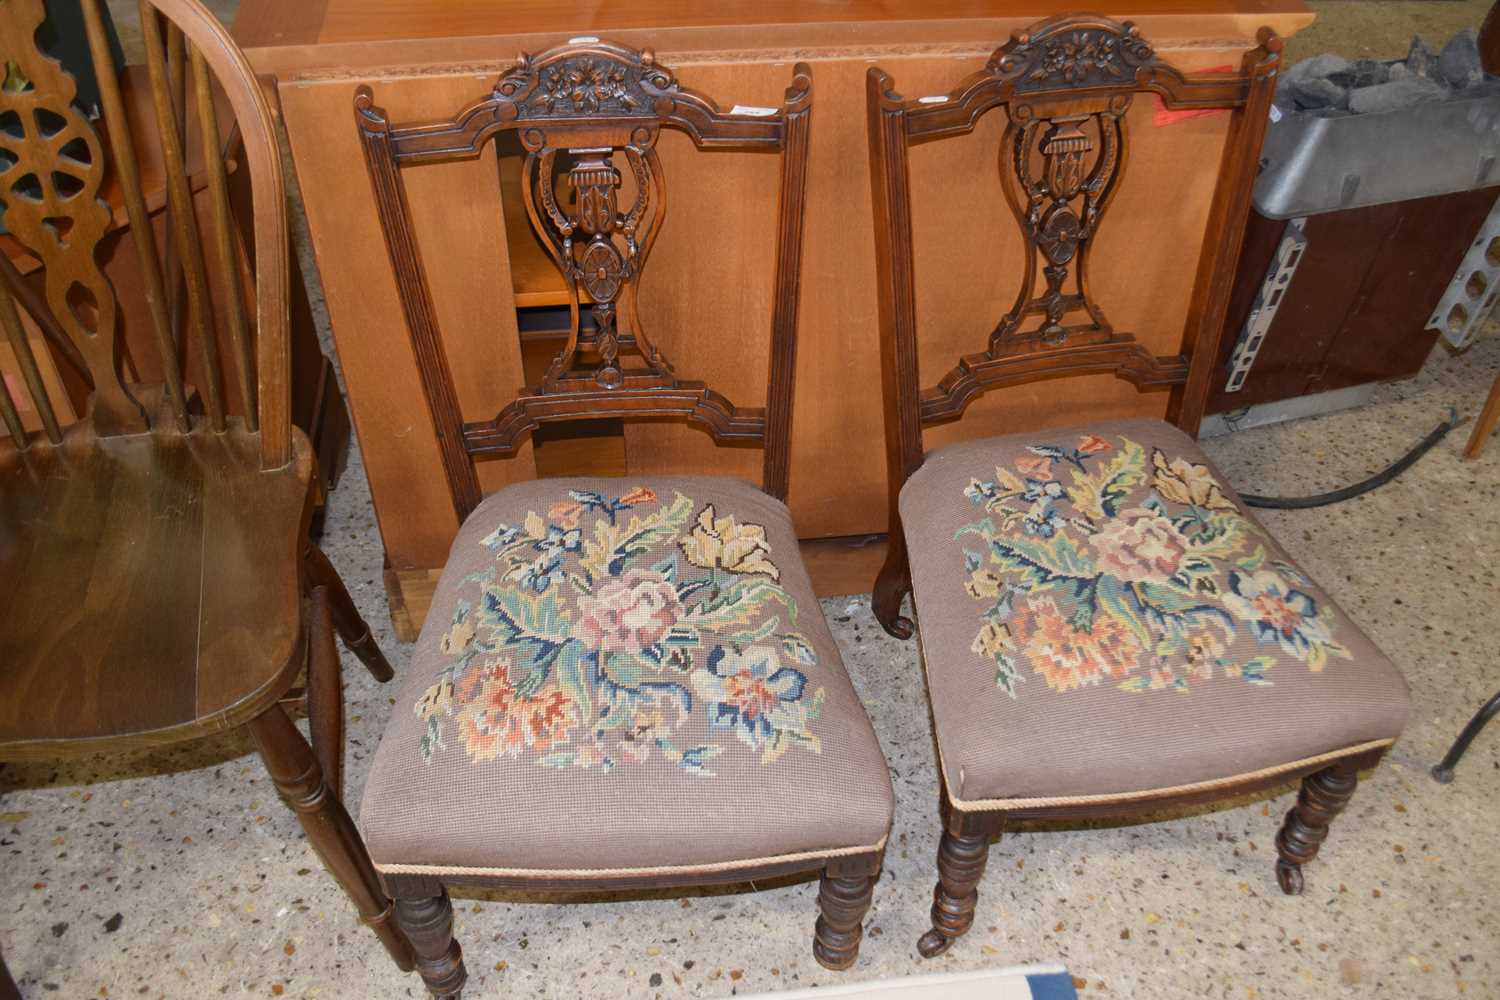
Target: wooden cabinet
430 59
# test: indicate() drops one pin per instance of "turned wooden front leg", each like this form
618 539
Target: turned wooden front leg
843 902
961 860
8 988
1322 797
325 692
892 585
353 629
295 771
428 924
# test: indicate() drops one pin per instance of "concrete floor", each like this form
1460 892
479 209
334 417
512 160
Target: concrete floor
179 874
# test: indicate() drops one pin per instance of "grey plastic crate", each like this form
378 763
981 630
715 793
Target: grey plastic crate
1312 164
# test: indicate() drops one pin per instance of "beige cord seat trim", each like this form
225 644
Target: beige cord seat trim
1125 798
1008 805
545 873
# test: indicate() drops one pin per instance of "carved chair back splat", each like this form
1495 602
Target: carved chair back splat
587 115
157 564
1065 84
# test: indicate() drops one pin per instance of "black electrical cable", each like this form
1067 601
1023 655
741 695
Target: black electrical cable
1379 479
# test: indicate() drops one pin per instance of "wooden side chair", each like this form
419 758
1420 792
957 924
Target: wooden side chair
621 683
159 585
1106 629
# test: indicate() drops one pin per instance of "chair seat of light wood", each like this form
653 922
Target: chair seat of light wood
624 677
1102 619
151 588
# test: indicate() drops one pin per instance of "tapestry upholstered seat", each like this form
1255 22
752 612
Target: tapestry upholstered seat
1100 616
623 676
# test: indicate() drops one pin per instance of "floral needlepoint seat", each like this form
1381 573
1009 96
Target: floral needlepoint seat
622 676
1102 617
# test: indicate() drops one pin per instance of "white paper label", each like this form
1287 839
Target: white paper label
934 99
743 109
583 40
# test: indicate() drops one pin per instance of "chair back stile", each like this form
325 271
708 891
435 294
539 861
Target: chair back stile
588 117
1065 85
1106 570
53 172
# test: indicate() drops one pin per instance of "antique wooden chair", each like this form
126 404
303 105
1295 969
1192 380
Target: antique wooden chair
159 584
1106 630
621 682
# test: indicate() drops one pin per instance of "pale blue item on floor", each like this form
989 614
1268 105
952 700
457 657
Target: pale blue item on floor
1032 982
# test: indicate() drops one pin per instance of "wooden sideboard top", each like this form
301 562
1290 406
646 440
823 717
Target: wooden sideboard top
351 32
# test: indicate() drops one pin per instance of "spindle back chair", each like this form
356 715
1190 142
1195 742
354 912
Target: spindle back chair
160 585
1066 577
566 117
